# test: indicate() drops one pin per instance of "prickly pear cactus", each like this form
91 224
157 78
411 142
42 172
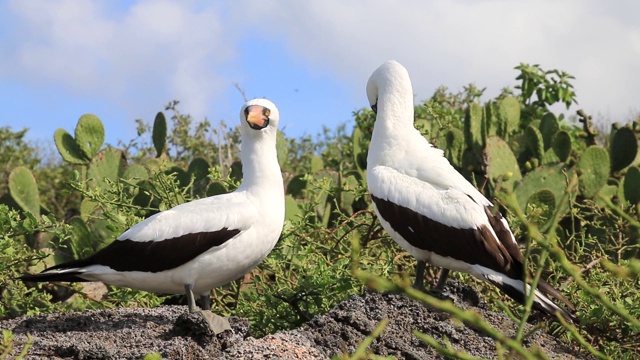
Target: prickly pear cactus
316 164
81 240
281 150
291 209
552 177
473 127
347 196
359 153
502 165
24 190
68 148
297 185
624 149
454 139
490 122
509 115
561 145
534 141
593 169
88 141
199 170
216 188
110 164
135 172
550 157
159 134
540 208
89 135
631 185
549 126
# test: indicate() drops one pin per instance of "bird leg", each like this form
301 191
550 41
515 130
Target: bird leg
205 302
419 283
217 323
188 289
442 280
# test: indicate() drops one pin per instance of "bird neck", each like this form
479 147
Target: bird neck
395 114
260 168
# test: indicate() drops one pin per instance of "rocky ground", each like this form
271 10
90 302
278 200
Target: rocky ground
168 330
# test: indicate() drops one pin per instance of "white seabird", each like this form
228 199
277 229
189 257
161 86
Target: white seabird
197 246
430 209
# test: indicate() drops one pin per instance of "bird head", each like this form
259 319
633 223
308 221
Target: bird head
389 76
259 115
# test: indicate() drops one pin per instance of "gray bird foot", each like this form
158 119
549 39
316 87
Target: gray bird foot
217 323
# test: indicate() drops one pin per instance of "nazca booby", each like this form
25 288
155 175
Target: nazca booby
197 246
430 209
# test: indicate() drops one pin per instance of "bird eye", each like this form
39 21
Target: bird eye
266 112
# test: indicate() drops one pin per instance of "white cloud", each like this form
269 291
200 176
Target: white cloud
138 57
456 42
141 56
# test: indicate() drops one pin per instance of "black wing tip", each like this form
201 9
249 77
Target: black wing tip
52 277
549 309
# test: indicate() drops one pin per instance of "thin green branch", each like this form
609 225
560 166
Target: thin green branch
634 222
581 340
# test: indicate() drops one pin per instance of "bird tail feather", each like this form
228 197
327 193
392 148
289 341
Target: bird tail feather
541 302
67 275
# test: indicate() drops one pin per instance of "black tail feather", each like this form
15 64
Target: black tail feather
550 309
72 276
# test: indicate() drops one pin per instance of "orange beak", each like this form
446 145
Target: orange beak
257 116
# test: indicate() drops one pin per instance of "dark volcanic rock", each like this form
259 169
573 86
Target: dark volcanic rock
131 333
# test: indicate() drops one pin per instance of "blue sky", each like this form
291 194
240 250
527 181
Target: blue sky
60 59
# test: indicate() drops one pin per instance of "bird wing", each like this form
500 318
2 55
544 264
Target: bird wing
446 221
230 211
428 164
173 237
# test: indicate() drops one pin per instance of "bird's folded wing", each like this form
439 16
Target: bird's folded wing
233 211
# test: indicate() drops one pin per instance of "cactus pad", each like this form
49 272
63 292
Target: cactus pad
110 164
159 134
316 164
593 168
561 145
135 172
534 141
473 127
68 148
631 185
509 115
548 128
501 163
89 135
199 168
624 149
291 209
552 177
281 149
540 208
24 190
454 146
